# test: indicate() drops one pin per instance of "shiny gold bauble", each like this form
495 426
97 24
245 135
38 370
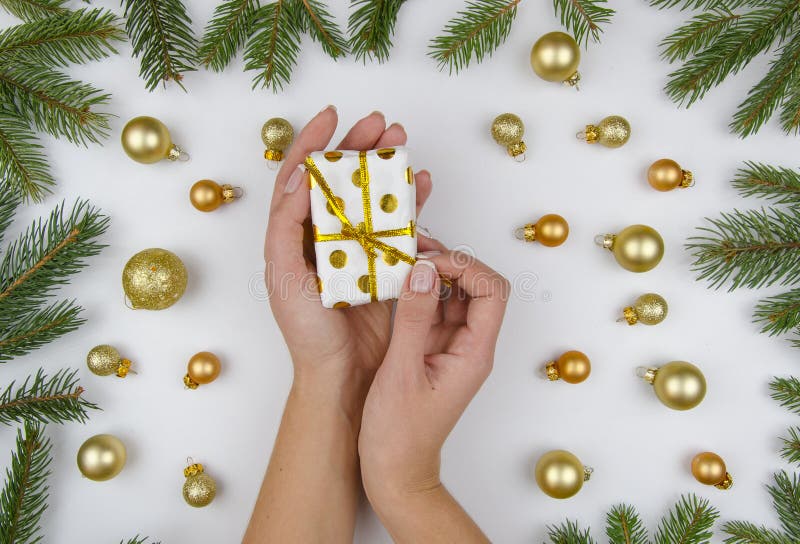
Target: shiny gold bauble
550 230
560 474
678 385
199 489
613 131
203 368
708 468
277 134
105 360
207 195
649 309
637 248
555 57
666 175
508 130
572 367
147 140
154 279
101 457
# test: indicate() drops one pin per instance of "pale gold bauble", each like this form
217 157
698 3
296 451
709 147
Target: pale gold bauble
105 360
678 385
101 457
203 368
277 134
550 230
560 474
147 140
613 131
508 130
666 175
199 489
708 468
637 248
649 309
572 367
154 279
207 195
555 57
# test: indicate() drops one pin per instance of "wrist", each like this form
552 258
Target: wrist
333 388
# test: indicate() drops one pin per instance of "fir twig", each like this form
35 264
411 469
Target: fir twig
791 446
23 166
786 500
162 38
707 4
31 10
272 51
37 328
54 399
583 18
781 185
313 17
24 496
226 33
780 313
697 34
136 540
743 532
371 27
623 526
689 521
786 391
8 206
569 533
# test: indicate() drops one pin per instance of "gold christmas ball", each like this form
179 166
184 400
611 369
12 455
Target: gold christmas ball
555 57
666 175
508 130
613 131
637 248
560 474
708 468
101 457
679 385
552 230
649 309
154 279
203 368
103 360
572 367
277 134
207 195
147 140
199 489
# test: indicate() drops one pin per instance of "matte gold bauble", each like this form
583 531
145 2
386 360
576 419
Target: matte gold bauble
613 131
708 468
147 140
637 248
649 309
560 474
508 130
555 57
154 279
199 489
101 457
678 385
277 134
666 175
207 195
105 360
572 367
550 230
203 368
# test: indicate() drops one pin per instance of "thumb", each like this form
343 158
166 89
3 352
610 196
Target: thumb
415 311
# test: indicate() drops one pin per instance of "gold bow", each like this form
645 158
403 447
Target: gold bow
362 233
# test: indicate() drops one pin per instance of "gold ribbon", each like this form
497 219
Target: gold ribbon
363 232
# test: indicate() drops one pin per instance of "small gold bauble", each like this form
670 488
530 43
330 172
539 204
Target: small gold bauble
555 57
508 130
560 474
199 489
708 468
666 175
637 248
678 385
550 230
101 457
649 309
613 131
203 368
277 134
572 367
147 140
154 279
207 195
105 360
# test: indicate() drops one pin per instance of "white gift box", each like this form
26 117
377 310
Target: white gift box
363 212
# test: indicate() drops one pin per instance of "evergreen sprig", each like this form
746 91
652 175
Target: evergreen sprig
39 327
583 18
137 540
624 526
780 313
785 495
162 38
786 391
791 445
31 10
314 18
778 184
697 34
371 27
569 533
23 165
226 33
689 521
272 50
743 532
47 399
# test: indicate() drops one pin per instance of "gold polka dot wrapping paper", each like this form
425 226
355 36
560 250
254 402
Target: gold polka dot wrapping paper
363 211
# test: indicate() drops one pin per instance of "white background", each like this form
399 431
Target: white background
640 450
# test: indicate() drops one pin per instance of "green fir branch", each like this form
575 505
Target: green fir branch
780 185
687 5
568 533
473 34
790 109
226 33
791 446
780 313
54 399
8 207
32 10
23 499
136 540
690 521
314 18
583 18
273 49
38 328
162 39
697 34
743 532
786 391
786 500
23 166
624 526
371 27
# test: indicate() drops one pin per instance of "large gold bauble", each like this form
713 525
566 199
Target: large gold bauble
572 367
678 385
154 279
555 57
708 468
277 134
560 474
105 360
147 140
203 368
207 195
666 175
613 131
101 457
199 489
637 248
550 230
649 309
508 130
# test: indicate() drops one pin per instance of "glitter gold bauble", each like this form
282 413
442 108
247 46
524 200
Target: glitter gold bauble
154 279
199 489
207 195
666 175
613 131
203 368
649 309
550 230
508 130
277 134
572 367
147 140
708 468
105 360
678 385
101 457
555 57
637 248
560 474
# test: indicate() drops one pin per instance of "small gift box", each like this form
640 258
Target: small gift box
363 212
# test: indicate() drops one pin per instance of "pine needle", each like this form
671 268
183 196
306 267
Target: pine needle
624 526
786 500
315 19
791 446
786 391
9 203
272 50
780 313
23 166
583 18
780 185
31 10
685 5
38 328
55 399
697 34
136 540
371 27
569 533
742 532
226 33
690 521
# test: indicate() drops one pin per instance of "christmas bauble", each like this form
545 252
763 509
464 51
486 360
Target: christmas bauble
666 174
105 360
277 134
203 368
154 279
678 385
550 230
560 474
199 489
649 309
637 248
613 131
147 140
508 130
101 457
555 57
572 367
708 468
207 195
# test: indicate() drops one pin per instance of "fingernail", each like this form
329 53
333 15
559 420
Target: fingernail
398 125
428 254
422 276
328 107
376 112
295 179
